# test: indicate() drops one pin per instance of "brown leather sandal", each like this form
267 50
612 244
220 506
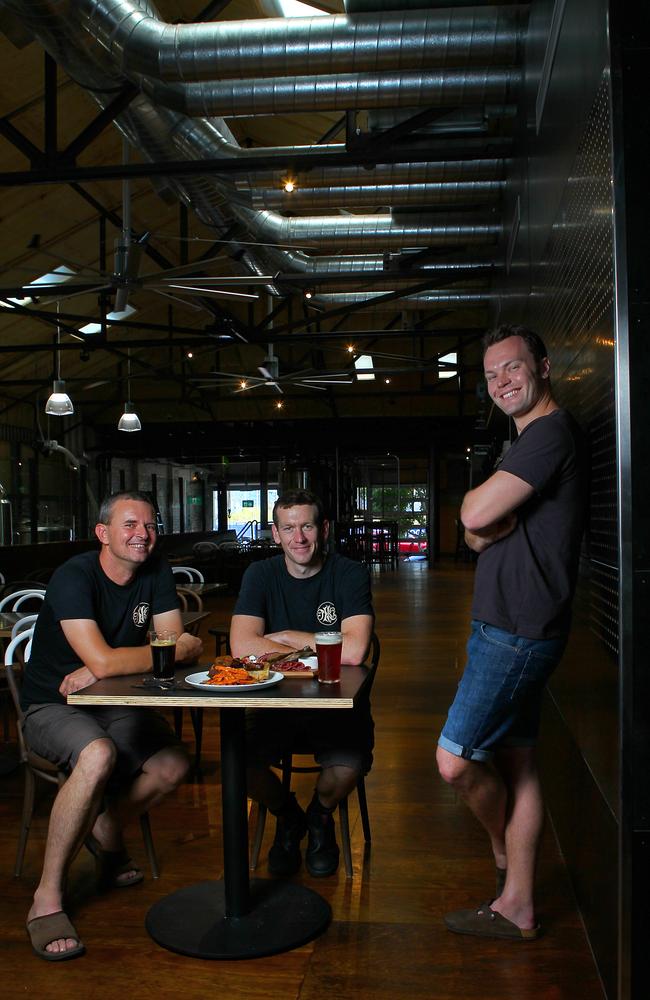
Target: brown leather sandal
486 922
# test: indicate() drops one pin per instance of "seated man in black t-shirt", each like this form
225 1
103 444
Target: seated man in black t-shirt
283 602
93 624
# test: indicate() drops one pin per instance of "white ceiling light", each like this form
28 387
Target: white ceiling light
59 403
129 421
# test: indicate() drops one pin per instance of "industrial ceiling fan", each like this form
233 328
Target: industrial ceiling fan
270 377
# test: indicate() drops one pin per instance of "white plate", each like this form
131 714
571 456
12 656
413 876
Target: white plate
197 680
310 661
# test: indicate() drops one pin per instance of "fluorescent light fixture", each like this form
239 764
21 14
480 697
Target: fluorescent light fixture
129 421
59 404
58 276
449 359
364 361
92 328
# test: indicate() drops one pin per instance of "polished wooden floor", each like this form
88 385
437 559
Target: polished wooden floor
387 939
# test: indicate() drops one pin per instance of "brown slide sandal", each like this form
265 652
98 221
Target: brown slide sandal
53 927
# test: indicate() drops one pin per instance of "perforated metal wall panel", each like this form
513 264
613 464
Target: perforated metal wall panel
572 309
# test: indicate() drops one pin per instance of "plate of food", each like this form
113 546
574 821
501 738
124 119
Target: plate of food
231 679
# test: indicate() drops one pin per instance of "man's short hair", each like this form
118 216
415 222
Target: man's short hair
108 503
298 498
533 341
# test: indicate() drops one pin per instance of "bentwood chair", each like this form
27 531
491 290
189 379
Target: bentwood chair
14 600
288 768
37 767
189 573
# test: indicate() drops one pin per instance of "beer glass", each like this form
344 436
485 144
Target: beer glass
163 653
328 651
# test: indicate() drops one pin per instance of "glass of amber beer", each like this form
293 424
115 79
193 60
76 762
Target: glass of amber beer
328 651
163 653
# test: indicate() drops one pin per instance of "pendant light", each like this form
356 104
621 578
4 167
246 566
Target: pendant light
59 403
129 421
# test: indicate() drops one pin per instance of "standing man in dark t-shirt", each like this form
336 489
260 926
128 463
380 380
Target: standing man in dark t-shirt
526 523
122 761
283 601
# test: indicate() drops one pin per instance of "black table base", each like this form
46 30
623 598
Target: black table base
282 915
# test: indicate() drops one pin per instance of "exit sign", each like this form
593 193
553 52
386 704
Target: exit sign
248 503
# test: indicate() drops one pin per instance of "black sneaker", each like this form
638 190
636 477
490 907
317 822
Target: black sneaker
291 826
322 857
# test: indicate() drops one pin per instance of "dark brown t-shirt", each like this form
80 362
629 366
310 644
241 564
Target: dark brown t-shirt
525 582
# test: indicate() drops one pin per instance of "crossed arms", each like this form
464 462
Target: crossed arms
247 636
100 660
488 512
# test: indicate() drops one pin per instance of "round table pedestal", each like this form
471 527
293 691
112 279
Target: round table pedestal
282 916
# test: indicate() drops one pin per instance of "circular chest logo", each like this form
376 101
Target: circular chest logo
141 615
326 614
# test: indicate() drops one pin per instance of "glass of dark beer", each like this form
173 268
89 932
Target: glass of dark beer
328 651
163 653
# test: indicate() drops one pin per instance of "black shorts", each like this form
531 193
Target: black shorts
334 736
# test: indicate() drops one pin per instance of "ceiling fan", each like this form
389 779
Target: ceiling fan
71 280
271 378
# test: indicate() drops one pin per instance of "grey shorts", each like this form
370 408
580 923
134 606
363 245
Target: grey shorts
60 732
336 737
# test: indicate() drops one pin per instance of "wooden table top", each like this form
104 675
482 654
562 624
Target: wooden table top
290 692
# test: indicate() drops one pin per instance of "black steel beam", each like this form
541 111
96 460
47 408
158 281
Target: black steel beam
98 124
66 174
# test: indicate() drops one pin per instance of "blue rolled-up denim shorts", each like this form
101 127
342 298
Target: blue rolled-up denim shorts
499 697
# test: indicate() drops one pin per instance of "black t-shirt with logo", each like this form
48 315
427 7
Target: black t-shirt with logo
80 589
318 603
525 582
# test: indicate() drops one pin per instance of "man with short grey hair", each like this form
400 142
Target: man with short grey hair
93 624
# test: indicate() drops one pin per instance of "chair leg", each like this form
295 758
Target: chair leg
363 809
26 820
287 764
196 714
257 838
145 826
345 836
178 723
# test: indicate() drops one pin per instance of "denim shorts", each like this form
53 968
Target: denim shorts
499 697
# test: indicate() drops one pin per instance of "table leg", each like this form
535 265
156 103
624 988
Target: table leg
235 918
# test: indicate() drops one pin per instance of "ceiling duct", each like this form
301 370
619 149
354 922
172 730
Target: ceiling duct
452 58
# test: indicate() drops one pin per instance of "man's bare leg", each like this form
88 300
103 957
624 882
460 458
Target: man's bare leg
72 814
160 775
524 825
482 788
334 783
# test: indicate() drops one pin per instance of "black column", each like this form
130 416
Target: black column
630 35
